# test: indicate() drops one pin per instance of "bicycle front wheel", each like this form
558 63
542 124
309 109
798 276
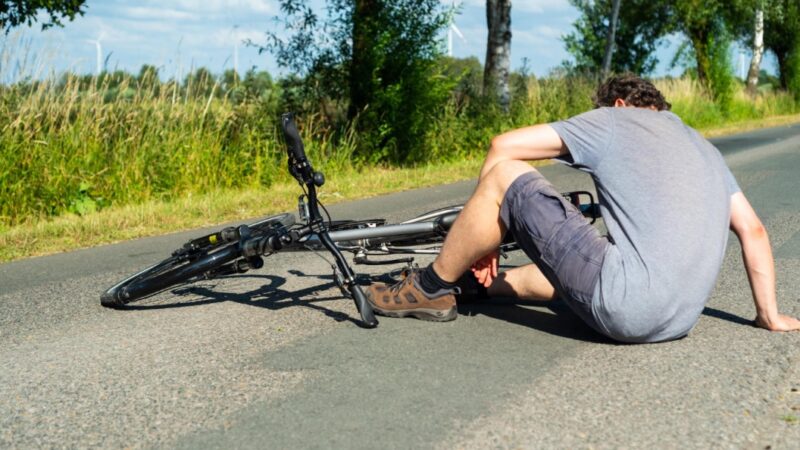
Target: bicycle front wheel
203 257
170 272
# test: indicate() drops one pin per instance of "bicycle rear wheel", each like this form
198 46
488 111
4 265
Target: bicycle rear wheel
204 257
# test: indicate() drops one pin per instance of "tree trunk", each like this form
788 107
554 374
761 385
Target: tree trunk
363 62
758 53
783 67
699 38
611 38
498 51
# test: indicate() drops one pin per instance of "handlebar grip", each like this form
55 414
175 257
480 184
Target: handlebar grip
292 136
367 315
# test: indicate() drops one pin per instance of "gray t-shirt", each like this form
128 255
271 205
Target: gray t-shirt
664 194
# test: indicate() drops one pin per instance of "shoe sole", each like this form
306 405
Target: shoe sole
432 315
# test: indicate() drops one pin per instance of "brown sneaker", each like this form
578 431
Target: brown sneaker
406 298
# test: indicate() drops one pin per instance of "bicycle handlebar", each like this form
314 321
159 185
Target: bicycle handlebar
292 136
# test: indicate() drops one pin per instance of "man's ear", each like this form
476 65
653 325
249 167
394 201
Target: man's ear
620 103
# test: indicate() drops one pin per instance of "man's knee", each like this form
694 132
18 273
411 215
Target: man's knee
500 177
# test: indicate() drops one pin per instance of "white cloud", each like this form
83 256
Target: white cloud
225 37
234 7
541 6
527 38
549 32
148 13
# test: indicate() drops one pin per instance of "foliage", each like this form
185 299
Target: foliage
697 20
782 36
376 60
720 76
18 12
641 26
740 16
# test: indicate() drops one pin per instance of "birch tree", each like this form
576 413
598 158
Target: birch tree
758 50
498 52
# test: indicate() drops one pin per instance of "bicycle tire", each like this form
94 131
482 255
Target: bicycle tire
183 267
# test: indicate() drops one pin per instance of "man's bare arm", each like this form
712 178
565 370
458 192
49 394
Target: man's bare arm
525 144
760 265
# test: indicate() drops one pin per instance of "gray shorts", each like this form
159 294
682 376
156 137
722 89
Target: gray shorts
557 238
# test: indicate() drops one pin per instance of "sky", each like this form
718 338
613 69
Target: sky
178 35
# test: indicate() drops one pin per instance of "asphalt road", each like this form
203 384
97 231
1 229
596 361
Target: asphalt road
273 359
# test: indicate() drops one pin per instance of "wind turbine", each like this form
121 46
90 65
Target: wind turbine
741 65
235 50
99 54
453 29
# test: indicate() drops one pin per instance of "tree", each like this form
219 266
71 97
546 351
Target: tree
782 36
758 50
641 25
148 77
706 24
745 19
200 83
18 12
376 57
498 51
612 30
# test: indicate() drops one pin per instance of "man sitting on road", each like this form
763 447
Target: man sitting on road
667 199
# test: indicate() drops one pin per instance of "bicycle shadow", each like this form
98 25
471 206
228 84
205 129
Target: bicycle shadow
560 320
270 296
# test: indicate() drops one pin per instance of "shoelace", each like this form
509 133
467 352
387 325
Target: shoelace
397 286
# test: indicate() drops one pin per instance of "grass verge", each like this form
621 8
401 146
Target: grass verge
114 224
750 125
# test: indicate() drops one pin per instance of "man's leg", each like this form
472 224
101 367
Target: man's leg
524 282
478 229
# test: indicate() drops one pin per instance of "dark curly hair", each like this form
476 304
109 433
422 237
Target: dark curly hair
631 88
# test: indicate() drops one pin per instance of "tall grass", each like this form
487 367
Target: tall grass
69 147
697 108
64 148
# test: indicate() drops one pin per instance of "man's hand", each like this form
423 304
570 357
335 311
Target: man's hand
780 323
485 269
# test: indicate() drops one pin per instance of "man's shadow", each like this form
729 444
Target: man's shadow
552 317
558 320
